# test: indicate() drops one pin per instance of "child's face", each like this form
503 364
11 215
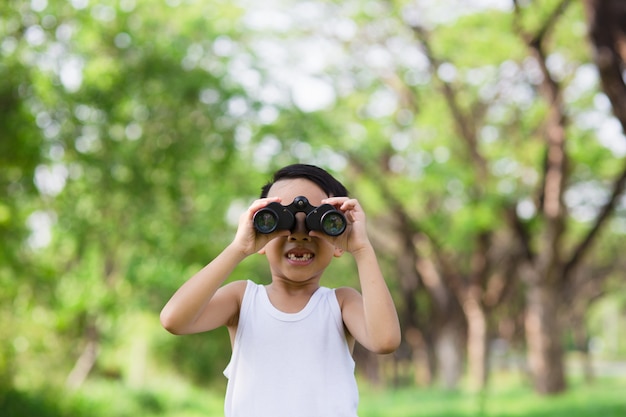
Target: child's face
298 257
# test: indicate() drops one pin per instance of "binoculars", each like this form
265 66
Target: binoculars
275 216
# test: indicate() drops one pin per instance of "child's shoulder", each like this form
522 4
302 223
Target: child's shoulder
235 288
238 284
346 294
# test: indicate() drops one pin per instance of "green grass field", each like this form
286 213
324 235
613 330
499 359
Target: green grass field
606 397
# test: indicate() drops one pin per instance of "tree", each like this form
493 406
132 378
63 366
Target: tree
544 245
133 133
550 269
118 148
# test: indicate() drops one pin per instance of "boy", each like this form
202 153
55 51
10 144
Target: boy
292 340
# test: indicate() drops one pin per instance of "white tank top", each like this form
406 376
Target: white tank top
290 365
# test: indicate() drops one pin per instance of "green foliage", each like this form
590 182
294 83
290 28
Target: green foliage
16 403
135 132
469 41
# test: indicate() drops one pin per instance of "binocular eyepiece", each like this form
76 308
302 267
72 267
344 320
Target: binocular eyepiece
275 216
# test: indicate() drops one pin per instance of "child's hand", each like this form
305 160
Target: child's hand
355 236
247 239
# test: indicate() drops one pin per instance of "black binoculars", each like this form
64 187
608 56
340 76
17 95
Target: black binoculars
278 217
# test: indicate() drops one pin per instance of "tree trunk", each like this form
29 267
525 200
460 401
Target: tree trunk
423 357
450 355
581 341
86 360
607 31
543 335
476 340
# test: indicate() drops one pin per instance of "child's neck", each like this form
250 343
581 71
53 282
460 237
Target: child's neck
290 298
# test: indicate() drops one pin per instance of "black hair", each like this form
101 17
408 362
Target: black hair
329 184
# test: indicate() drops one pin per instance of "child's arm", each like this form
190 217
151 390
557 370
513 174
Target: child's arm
371 318
201 304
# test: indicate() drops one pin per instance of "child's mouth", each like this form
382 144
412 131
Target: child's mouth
297 257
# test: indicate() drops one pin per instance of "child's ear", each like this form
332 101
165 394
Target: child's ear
338 252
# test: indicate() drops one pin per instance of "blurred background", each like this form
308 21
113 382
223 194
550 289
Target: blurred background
484 138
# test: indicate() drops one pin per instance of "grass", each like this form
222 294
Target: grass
604 398
175 398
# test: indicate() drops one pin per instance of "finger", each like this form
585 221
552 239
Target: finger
260 203
335 201
350 204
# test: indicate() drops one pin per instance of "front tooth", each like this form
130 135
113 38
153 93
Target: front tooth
303 257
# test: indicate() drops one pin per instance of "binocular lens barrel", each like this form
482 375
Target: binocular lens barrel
333 223
265 221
